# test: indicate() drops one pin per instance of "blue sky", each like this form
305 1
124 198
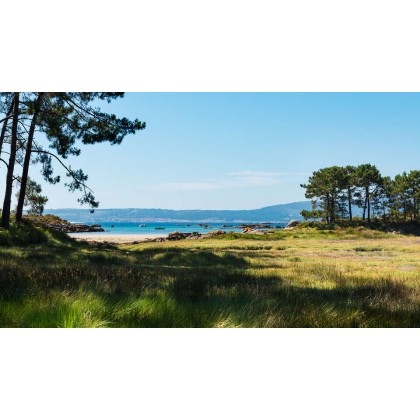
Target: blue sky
243 150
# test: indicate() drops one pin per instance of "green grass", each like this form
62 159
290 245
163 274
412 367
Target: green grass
350 277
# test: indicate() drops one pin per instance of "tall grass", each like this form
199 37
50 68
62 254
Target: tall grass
371 281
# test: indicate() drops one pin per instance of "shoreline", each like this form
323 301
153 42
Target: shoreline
116 238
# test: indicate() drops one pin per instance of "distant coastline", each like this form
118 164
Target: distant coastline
281 213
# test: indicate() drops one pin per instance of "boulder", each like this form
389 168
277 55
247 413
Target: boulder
292 224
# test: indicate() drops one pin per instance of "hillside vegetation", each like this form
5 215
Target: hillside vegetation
351 277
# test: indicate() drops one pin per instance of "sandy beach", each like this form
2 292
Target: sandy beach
115 238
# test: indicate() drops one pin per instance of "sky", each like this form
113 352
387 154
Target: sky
241 150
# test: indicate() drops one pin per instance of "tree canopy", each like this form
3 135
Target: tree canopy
335 190
39 128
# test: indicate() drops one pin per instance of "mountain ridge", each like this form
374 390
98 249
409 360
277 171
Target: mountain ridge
274 213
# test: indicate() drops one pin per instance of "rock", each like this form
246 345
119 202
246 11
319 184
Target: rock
154 240
96 228
214 233
78 227
176 236
256 226
253 231
256 232
194 235
292 224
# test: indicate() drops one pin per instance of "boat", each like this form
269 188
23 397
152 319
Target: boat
142 225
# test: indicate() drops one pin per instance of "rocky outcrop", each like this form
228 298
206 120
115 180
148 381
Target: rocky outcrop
177 236
61 225
292 224
78 227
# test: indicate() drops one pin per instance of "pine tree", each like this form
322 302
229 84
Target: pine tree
369 180
65 118
5 219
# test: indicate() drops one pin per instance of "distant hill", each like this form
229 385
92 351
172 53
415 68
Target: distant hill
278 213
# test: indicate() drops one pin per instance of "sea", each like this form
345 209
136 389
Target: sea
163 228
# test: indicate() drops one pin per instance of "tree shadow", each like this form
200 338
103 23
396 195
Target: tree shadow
209 287
179 257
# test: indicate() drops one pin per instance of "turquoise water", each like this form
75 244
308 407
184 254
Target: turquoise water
130 228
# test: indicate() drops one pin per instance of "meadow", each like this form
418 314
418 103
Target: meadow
348 277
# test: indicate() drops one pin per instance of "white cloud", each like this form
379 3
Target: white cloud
233 180
256 173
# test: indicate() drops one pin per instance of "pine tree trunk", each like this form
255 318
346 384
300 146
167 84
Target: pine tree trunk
328 208
3 129
364 208
368 204
27 161
5 219
349 197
